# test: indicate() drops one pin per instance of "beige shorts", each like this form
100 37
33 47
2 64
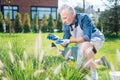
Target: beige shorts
80 57
97 45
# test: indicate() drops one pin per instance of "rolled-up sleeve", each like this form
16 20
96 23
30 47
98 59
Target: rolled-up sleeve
87 26
66 31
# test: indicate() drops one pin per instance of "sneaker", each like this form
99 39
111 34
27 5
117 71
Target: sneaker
105 62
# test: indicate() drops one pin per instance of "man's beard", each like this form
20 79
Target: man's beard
68 24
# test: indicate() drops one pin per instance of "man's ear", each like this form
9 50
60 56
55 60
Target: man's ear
73 14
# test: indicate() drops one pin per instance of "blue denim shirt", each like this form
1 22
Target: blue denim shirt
86 25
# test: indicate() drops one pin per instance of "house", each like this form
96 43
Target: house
32 7
92 13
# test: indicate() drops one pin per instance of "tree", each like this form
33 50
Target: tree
44 23
27 24
59 23
50 23
109 19
103 21
1 22
18 23
8 23
78 9
115 15
35 23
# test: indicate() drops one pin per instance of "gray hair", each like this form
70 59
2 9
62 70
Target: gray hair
66 7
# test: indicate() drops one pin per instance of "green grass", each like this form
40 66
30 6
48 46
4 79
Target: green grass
109 50
28 63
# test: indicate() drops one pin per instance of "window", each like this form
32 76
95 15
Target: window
11 9
54 12
40 11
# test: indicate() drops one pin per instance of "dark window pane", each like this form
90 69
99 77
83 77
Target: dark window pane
54 15
14 14
5 7
11 9
33 13
43 10
54 9
15 8
5 14
33 8
11 14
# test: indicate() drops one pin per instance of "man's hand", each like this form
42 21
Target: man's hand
63 42
52 37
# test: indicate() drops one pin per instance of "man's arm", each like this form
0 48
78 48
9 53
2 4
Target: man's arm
65 42
66 31
77 40
87 27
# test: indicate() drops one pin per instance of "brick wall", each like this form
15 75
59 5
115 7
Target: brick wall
24 5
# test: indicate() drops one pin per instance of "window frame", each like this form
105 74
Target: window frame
10 8
36 10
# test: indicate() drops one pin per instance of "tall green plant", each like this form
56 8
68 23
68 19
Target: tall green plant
8 23
1 22
35 23
18 23
78 9
110 18
59 23
44 23
27 24
115 20
50 23
109 22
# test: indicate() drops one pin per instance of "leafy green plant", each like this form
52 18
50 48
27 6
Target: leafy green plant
8 23
18 23
26 58
59 23
44 24
50 23
27 24
1 22
35 23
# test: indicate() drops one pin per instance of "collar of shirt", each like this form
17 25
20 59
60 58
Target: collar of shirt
76 23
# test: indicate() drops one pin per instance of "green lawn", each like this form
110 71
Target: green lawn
29 57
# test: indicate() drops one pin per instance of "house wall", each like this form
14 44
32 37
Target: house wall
24 5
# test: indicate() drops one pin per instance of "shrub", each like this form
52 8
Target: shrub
59 23
44 23
18 23
1 22
35 23
8 23
50 23
27 24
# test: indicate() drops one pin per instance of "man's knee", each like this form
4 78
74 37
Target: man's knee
86 47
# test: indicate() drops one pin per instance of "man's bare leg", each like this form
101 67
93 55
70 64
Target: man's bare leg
87 49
